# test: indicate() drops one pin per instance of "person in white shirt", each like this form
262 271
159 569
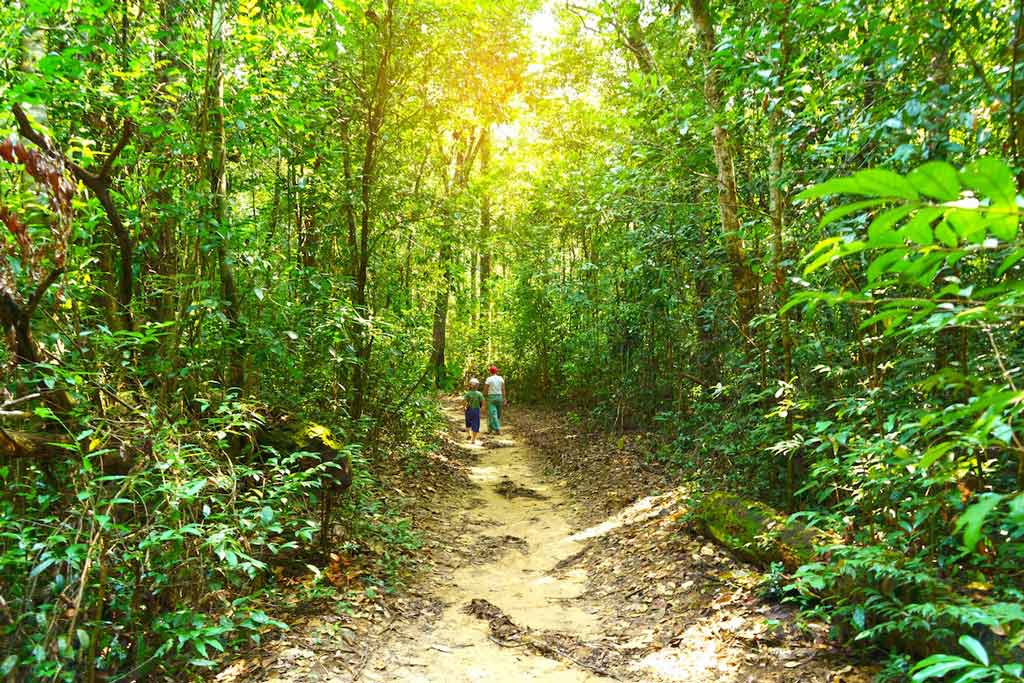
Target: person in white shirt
496 398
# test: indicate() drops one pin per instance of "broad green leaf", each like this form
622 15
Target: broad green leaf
934 453
969 224
884 263
879 182
822 259
976 649
946 234
938 666
1017 508
1010 261
887 316
923 269
1002 225
991 177
41 567
937 180
973 518
973 675
881 233
829 187
873 182
919 228
824 244
846 209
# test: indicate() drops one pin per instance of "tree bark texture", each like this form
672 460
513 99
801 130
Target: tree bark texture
219 189
744 280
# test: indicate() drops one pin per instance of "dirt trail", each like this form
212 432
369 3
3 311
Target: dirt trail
515 590
513 543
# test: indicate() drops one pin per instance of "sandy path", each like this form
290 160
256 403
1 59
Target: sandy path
634 596
509 573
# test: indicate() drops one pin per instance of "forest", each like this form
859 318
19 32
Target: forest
248 245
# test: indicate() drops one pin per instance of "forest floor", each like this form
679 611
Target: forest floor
543 563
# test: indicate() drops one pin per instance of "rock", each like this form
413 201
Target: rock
310 437
756 532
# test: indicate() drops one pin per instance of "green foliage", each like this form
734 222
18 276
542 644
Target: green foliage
253 230
387 196
954 434
875 385
963 670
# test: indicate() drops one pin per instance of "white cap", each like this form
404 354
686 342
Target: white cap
474 380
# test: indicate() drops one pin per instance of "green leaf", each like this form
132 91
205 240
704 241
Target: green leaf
1017 509
884 263
973 675
1010 261
822 259
969 224
8 665
934 453
873 182
937 180
919 228
946 235
846 209
973 518
41 567
991 177
975 648
880 182
829 187
938 666
1002 225
267 514
880 232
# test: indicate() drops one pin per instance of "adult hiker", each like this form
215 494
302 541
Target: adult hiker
495 399
472 400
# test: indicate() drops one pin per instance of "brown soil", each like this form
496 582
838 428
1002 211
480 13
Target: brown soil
516 589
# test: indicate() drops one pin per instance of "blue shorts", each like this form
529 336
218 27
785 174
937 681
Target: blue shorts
473 419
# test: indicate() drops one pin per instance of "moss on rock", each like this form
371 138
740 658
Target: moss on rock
757 532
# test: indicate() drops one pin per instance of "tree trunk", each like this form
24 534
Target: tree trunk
219 191
165 264
359 231
437 357
744 279
16 322
777 201
1017 91
485 229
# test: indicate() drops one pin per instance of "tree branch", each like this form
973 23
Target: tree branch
126 134
27 131
37 295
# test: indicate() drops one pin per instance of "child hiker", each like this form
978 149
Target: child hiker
472 401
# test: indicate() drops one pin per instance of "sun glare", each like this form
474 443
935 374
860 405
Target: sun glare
544 24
